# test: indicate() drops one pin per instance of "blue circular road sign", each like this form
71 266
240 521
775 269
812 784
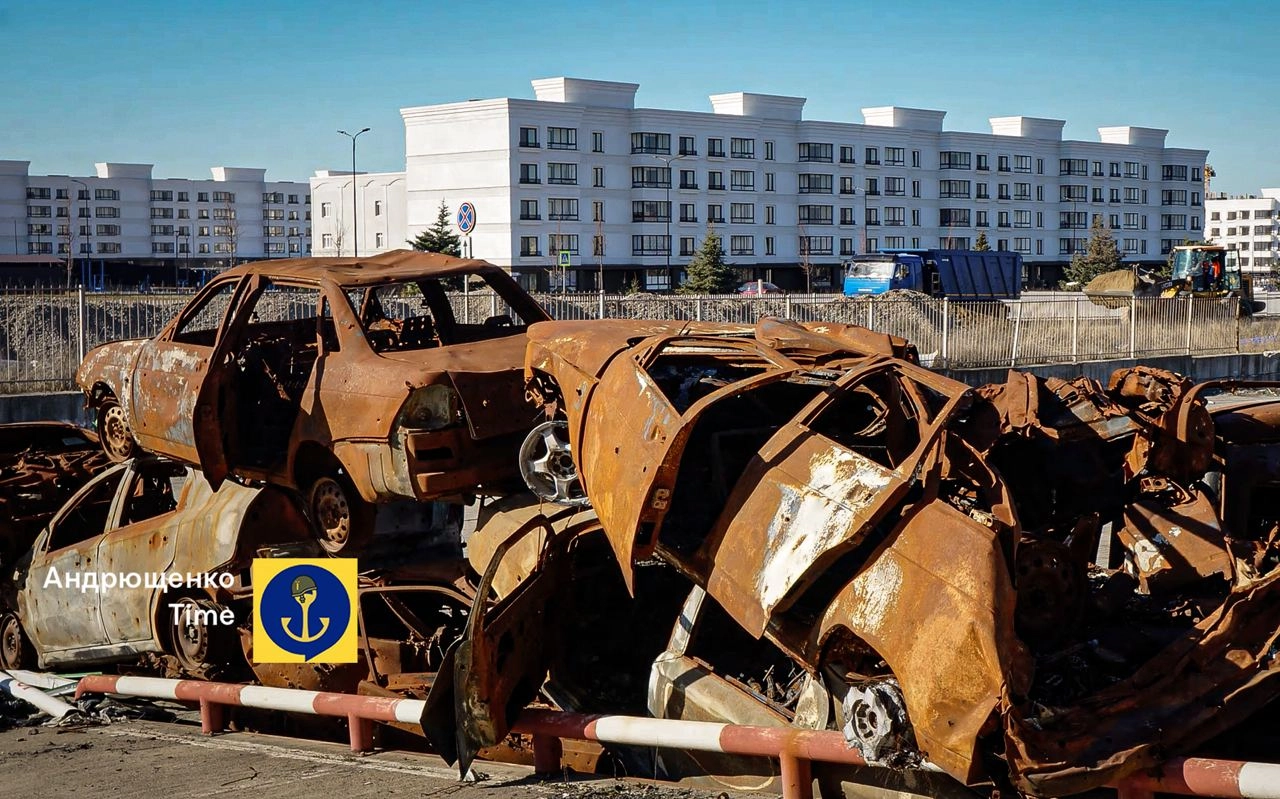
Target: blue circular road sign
466 218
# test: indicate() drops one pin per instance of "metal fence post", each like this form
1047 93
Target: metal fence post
1133 325
870 307
946 325
1190 299
787 306
493 305
1017 330
697 308
466 300
600 309
1075 331
81 334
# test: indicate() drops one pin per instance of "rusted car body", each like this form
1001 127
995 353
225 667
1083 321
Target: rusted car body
348 379
146 516
41 465
1039 585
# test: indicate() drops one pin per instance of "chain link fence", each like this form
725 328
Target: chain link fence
44 332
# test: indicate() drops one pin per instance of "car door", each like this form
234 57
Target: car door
170 370
58 615
142 542
213 415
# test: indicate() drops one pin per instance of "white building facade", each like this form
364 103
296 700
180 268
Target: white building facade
372 221
1247 224
123 225
622 189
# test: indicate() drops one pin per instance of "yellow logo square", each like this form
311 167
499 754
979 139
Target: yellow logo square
304 610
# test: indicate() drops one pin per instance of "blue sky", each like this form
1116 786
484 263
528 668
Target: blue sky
266 84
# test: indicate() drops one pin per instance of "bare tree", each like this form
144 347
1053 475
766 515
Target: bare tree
339 234
230 229
806 265
70 241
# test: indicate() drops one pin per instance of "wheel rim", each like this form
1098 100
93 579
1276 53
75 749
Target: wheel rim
332 513
117 438
546 463
190 635
10 642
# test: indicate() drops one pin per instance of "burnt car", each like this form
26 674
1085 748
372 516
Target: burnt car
1039 585
146 516
41 465
350 380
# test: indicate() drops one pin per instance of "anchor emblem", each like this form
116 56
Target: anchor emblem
304 593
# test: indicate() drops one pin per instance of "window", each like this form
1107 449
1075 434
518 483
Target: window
1097 169
687 146
1133 195
106 194
846 216
1002 163
377 209
768 245
1002 219
267 213
529 210
162 213
202 213
873 244
768 181
162 230
36 193
269 197
811 151
161 196
915 219
686 245
326 210
688 212
953 217
650 245
597 212
953 160
815 214
953 189
768 151
41 211
528 175
1173 221
895 242
715 148
895 187
562 138
915 162
715 212
980 191
63 194
203 230
1022 163
161 247
529 137
597 177
846 185
562 174
202 196
981 219
873 216
715 180
742 245
528 246
846 154
895 215
1022 245
814 184
61 212
1096 195
565 209
562 242
742 213
224 213
107 211
1073 166
873 187
42 230
816 245
742 180
597 244
1022 191
650 211
872 156
1022 219
1073 193
1173 197
688 179
1073 220
895 156
224 197
984 164
846 246
1195 200
742 148
650 177
769 215
1130 246
1131 169
109 247
223 230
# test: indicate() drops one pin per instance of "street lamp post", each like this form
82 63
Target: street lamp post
88 226
355 213
667 159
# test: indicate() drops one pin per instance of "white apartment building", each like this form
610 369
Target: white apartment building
623 190
122 225
1247 224
375 223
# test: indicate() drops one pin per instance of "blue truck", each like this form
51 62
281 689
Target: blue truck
958 274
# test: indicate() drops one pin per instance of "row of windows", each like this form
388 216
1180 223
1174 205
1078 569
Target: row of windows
1262 213
1258 230
162 195
109 211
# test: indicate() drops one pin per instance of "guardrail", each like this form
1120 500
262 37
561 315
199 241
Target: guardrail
795 749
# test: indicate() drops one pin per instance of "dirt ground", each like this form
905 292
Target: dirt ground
149 760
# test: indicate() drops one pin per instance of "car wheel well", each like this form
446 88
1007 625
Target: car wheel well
100 392
311 462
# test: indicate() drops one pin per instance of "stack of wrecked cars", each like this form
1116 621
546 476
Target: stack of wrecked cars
1036 586
1039 586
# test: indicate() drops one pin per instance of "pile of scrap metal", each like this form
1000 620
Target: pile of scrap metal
1040 586
41 465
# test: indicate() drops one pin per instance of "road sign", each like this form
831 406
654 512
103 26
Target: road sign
565 261
466 218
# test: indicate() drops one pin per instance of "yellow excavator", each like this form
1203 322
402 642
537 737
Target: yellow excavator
1200 270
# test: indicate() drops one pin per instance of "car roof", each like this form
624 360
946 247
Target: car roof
368 270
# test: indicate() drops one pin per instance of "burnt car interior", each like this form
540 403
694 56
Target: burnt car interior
407 632
417 315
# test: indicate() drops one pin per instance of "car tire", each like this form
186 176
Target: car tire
16 651
114 431
198 647
340 518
